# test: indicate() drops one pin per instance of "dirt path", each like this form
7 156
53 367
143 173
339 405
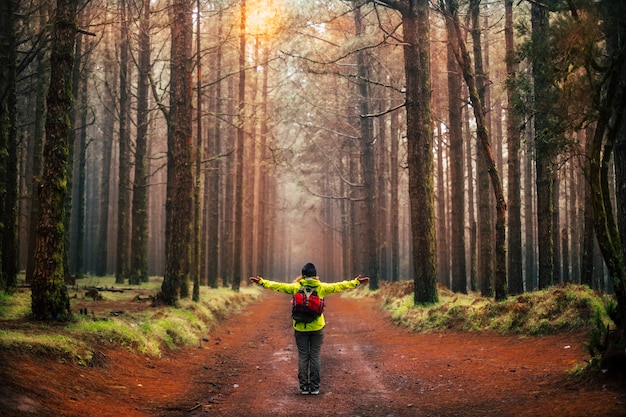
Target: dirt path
369 368
372 368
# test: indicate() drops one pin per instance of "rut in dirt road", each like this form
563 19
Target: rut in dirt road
372 368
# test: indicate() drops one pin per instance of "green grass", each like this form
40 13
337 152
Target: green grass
147 331
14 306
70 348
561 308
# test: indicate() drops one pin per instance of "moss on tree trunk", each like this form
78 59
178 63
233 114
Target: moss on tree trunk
50 300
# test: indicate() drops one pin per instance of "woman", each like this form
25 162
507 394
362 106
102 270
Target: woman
309 336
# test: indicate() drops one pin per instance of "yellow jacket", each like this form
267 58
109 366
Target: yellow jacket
322 288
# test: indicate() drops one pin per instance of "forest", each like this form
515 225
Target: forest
477 145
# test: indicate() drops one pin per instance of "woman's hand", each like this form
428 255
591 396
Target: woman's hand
255 279
362 279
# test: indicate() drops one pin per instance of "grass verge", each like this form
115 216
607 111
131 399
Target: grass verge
560 308
116 319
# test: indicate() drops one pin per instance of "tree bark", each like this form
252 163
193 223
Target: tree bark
228 240
197 192
81 173
443 256
37 148
543 157
239 150
8 148
123 202
556 221
212 176
394 217
416 36
455 135
369 245
609 135
107 150
416 29
471 213
530 265
264 177
139 238
179 199
514 267
50 300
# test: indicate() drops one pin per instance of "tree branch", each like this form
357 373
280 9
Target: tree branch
363 116
84 32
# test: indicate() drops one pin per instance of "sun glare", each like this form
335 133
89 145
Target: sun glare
263 18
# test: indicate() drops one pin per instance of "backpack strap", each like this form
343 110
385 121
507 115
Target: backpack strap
307 290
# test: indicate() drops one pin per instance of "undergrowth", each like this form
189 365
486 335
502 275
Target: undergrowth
567 307
147 332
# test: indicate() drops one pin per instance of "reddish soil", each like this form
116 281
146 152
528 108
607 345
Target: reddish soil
369 368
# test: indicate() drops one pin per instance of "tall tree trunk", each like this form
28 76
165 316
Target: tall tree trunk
382 196
179 200
264 178
589 238
50 300
123 202
394 217
543 157
455 135
485 212
574 222
416 36
620 179
610 133
416 29
530 265
251 170
111 81
8 148
81 175
239 150
471 212
37 147
212 174
139 240
197 195
355 210
513 123
328 235
368 166
345 208
443 258
556 221
228 240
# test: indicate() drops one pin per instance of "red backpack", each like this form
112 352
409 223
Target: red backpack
306 305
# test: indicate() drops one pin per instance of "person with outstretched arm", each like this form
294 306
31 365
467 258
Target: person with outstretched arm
309 332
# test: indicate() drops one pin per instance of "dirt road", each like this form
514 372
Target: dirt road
372 368
369 368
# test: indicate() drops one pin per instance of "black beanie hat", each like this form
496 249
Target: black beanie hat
308 270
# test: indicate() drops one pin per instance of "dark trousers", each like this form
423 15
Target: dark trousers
309 349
